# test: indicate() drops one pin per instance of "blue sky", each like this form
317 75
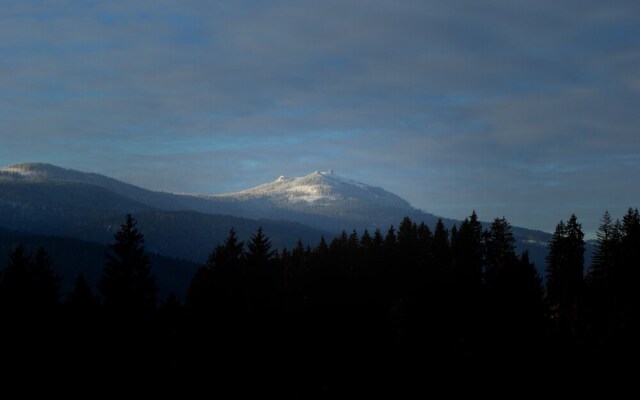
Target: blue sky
528 110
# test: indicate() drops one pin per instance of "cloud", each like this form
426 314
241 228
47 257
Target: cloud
490 105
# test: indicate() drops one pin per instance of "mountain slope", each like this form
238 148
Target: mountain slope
51 200
48 200
318 189
72 257
39 173
323 200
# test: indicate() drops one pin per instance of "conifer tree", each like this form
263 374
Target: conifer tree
378 240
500 245
322 250
425 241
627 276
555 264
366 242
441 249
45 283
259 254
28 286
127 285
469 254
390 240
565 268
599 296
15 293
216 285
261 277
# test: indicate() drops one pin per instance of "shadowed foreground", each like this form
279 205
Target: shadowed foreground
402 312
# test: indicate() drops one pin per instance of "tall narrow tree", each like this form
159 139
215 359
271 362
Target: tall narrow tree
469 255
45 282
15 293
127 285
565 268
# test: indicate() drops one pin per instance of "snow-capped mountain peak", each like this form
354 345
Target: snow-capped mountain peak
320 188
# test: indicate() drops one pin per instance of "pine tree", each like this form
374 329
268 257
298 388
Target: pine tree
127 285
216 286
378 240
28 286
231 255
407 235
514 309
604 255
425 241
599 295
260 279
441 249
627 276
366 242
469 254
259 255
565 268
500 246
555 262
322 250
45 283
15 283
390 240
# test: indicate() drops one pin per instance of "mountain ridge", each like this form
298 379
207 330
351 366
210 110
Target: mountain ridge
324 203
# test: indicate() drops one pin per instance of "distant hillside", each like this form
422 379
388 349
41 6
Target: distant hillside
72 257
47 199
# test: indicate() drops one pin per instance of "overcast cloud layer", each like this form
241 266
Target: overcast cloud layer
529 110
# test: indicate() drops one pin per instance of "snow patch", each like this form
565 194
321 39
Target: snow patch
308 193
320 188
19 171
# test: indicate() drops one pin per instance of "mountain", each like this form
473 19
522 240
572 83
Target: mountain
323 200
327 201
47 174
47 199
72 257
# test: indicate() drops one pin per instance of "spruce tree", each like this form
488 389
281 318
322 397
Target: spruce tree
260 279
259 254
366 242
217 285
45 283
425 241
555 265
500 246
628 276
514 309
28 286
441 250
599 295
565 268
469 254
390 240
127 285
15 283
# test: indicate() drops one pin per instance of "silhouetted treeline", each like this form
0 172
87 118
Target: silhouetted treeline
366 310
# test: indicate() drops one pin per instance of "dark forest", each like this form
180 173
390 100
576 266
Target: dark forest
368 312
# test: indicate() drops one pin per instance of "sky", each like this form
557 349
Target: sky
524 109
